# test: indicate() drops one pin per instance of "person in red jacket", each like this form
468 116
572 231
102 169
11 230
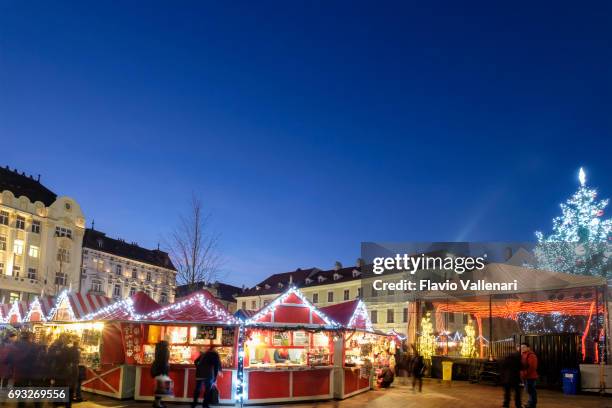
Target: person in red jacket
529 373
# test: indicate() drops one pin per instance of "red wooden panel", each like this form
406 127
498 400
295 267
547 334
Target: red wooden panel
292 314
316 319
266 318
293 298
351 381
147 383
113 378
224 384
268 385
310 383
178 377
364 382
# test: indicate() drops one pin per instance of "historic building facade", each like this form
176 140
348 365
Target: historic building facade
40 238
118 269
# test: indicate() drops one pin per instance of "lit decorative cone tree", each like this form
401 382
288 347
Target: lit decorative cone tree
427 340
581 238
468 343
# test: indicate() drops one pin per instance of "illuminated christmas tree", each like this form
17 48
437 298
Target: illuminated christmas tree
581 238
468 343
427 340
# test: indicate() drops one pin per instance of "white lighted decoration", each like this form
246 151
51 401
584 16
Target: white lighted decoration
292 290
220 314
14 311
361 312
62 301
35 307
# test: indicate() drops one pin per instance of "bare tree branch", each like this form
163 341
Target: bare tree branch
194 248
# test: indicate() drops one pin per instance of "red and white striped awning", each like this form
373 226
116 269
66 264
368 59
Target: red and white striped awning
78 305
14 312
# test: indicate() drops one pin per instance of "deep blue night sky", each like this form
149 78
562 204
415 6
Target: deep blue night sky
308 127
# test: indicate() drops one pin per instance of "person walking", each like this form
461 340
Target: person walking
160 367
529 374
60 362
418 370
23 361
7 348
510 376
208 367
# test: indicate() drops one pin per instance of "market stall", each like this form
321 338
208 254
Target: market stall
288 352
191 325
82 317
360 352
14 312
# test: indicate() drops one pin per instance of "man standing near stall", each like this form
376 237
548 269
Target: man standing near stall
529 373
208 367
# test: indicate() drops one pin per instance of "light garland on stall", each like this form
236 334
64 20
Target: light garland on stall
63 297
240 384
361 312
292 290
127 304
207 304
35 306
13 311
468 343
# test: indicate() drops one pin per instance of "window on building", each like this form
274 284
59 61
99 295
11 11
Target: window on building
134 274
243 305
1 268
31 273
99 263
60 278
33 251
13 297
2 243
253 305
132 291
390 316
163 298
405 315
330 296
63 232
16 270
36 227
374 316
315 298
4 218
117 291
359 292
118 270
18 247
20 222
266 303
63 255
451 318
465 318
148 279
96 286
374 292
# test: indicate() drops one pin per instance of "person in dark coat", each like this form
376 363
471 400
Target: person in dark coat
7 348
160 366
78 370
23 360
510 376
529 373
208 367
386 377
61 367
418 370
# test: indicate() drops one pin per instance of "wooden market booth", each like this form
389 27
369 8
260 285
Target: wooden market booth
190 325
360 352
288 352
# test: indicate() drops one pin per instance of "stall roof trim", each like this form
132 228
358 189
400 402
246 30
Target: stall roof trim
198 307
292 309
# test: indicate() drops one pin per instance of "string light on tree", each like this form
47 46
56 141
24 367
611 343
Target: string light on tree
581 239
468 343
427 340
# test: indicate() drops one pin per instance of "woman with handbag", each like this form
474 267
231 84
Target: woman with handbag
159 371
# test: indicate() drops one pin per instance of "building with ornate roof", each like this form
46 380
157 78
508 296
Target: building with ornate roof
40 238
